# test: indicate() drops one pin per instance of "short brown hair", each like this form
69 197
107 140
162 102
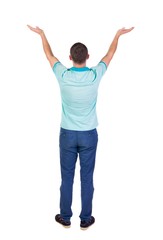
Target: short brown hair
79 53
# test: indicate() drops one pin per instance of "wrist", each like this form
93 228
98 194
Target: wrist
117 35
42 34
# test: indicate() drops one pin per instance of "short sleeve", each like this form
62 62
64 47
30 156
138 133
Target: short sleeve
100 69
59 69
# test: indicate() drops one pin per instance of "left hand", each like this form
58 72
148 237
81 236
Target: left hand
36 29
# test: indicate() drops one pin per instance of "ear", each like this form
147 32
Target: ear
87 56
70 57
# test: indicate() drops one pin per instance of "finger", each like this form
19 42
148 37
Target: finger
31 28
131 28
128 30
28 26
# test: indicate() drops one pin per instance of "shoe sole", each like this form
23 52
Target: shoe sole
64 225
86 227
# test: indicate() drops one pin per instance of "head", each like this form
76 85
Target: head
79 53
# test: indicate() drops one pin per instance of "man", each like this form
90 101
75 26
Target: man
78 133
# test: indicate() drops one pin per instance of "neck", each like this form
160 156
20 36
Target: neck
79 65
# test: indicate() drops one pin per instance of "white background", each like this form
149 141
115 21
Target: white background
128 176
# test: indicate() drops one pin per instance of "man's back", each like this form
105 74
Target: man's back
79 88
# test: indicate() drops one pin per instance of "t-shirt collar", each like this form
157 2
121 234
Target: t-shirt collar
79 69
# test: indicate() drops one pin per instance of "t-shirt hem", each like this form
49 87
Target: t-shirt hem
78 129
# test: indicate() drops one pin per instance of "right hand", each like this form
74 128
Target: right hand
124 30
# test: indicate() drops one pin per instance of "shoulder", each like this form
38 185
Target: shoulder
100 69
58 68
58 65
100 65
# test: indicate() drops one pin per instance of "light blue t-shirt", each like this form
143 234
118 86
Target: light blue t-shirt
79 89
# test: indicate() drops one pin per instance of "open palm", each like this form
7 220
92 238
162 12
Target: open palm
36 29
124 30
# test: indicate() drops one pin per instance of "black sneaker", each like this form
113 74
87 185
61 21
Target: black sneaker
64 223
86 224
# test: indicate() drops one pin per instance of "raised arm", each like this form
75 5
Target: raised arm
47 49
113 46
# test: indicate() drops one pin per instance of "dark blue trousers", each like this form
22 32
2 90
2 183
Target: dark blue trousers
74 144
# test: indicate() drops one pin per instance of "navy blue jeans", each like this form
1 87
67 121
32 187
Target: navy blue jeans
74 144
